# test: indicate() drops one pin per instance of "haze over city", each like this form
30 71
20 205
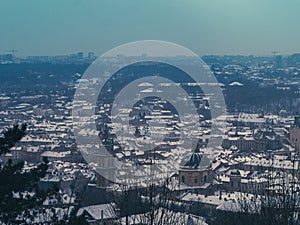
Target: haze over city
248 27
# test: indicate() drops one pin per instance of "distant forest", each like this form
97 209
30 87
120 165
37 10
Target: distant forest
31 79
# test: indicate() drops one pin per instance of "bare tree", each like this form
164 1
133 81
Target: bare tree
153 205
279 203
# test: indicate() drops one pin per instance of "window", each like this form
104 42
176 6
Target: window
182 179
204 178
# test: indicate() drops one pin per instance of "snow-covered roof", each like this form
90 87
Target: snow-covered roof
98 212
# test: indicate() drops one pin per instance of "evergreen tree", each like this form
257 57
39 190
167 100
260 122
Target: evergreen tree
21 199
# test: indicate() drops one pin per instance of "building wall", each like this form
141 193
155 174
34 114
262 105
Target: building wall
244 144
247 187
31 157
295 138
195 178
235 183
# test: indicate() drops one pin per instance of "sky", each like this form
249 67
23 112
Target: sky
55 27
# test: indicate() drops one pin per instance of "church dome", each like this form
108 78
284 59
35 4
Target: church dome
195 160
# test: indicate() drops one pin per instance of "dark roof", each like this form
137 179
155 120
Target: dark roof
235 173
264 134
195 160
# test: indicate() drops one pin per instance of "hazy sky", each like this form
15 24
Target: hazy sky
40 27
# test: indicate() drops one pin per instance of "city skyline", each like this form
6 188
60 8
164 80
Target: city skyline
85 54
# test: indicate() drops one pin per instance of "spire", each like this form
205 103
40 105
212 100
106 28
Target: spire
197 149
297 120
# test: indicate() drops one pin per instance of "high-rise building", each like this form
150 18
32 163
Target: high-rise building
79 55
278 61
91 55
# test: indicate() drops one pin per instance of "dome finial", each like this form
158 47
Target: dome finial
197 149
